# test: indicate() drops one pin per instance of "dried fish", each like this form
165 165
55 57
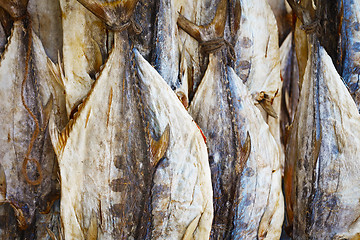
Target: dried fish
283 14
113 152
350 37
185 169
322 200
258 59
241 166
29 183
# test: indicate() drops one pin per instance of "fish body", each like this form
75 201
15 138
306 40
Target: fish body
321 165
247 186
350 45
27 158
257 61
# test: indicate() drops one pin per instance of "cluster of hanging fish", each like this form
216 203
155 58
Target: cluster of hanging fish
179 119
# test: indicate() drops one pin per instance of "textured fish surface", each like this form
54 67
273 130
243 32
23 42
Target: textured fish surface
283 14
182 195
350 44
107 150
321 172
84 47
248 202
258 59
28 165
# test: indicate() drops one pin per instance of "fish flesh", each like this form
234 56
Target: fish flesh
125 155
321 166
29 169
283 14
350 48
241 166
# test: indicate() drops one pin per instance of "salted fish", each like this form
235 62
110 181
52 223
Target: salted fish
241 166
283 15
248 202
257 62
322 173
350 46
126 180
28 167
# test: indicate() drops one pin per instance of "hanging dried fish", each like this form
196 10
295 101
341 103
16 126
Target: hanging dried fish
245 168
258 59
350 46
28 167
321 166
126 154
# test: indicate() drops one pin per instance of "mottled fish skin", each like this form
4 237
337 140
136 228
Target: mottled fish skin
258 58
104 151
46 21
350 44
290 89
222 107
182 205
84 48
322 173
31 185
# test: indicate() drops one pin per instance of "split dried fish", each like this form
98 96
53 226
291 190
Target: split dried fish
28 181
127 178
241 166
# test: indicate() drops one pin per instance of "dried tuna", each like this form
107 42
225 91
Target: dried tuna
321 166
246 175
126 155
258 59
350 45
28 165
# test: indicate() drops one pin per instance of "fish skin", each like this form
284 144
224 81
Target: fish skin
46 18
256 47
350 37
83 51
321 167
27 199
105 153
187 205
221 100
290 89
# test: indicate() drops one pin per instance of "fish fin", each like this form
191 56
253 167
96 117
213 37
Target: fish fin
57 73
245 151
115 14
220 18
191 28
58 138
266 103
2 185
201 32
189 233
158 148
46 112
